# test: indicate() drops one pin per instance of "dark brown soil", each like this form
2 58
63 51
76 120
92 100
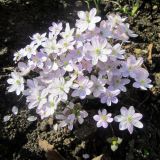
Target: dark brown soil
19 19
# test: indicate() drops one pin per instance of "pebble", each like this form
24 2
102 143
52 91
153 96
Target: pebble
85 156
14 110
32 118
6 118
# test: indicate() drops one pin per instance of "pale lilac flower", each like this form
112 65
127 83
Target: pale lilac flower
79 35
70 115
24 68
98 85
117 52
87 65
66 62
65 44
59 87
36 94
77 54
88 35
49 108
103 118
126 30
114 20
50 66
37 98
109 96
17 83
37 60
142 80
82 87
128 119
131 66
38 38
87 20
97 50
117 82
66 120
105 29
55 28
109 68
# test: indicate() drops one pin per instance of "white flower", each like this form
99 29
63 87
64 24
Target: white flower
17 83
128 119
24 68
51 46
37 98
55 28
68 34
30 50
98 50
38 38
109 97
48 108
117 82
82 87
103 118
117 52
98 85
142 80
59 87
87 20
19 54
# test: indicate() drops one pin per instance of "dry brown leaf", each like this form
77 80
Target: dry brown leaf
51 153
54 155
127 46
44 145
150 47
98 158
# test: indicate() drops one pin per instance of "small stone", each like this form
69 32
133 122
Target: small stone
55 127
6 118
14 110
50 121
32 118
85 156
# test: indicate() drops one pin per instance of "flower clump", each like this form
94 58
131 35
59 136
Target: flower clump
77 63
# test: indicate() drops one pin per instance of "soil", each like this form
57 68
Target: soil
19 138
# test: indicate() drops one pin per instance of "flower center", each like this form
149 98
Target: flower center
18 82
98 51
129 119
104 117
87 18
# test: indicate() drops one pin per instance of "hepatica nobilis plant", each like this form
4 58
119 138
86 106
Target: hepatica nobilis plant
78 63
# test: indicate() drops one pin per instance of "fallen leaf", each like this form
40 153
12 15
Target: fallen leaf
54 155
127 46
51 153
99 157
44 145
150 47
